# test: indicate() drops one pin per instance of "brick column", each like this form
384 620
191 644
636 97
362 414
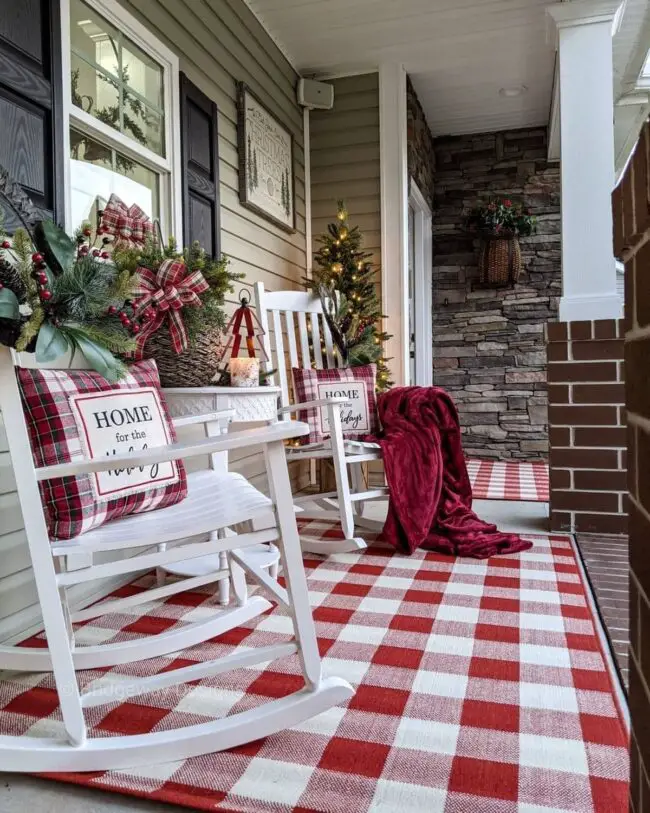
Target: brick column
586 400
632 244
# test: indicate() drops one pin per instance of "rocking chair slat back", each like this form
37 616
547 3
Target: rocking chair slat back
315 332
303 332
309 340
279 351
291 338
329 345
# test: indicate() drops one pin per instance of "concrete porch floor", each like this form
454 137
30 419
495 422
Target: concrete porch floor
22 792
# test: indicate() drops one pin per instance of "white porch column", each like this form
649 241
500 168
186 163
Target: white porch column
394 216
584 42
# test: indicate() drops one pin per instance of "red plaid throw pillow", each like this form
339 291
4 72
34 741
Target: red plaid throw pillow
72 414
358 414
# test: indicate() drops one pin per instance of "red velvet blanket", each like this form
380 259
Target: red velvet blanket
430 491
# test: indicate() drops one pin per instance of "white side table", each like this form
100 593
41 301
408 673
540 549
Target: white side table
250 405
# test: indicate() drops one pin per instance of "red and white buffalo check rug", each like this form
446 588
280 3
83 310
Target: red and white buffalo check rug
481 687
509 480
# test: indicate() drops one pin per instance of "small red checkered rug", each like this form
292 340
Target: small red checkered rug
481 687
508 480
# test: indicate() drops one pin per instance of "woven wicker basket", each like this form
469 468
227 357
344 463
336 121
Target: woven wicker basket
499 260
196 367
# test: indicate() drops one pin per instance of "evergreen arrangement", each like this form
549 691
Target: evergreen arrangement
209 315
500 217
344 278
60 294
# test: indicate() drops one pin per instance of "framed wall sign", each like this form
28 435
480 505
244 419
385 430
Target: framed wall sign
266 179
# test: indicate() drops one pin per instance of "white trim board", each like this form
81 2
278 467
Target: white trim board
309 249
422 271
394 214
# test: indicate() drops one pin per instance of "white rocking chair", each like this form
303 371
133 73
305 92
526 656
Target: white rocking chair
278 312
215 500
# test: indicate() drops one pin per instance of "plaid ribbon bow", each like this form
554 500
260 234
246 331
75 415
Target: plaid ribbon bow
128 224
167 292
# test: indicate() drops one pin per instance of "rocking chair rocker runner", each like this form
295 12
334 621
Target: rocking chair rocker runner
345 505
216 500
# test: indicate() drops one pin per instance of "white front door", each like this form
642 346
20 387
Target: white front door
420 262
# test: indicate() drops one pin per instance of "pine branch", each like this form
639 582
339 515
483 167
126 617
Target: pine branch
22 249
30 329
199 320
122 288
82 291
110 334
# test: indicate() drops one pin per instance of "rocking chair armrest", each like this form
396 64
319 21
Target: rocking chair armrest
321 402
277 432
207 417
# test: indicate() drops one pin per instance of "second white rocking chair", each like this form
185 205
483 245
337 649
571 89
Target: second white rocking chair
215 500
299 317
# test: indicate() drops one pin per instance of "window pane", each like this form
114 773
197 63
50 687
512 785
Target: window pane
142 74
97 171
83 148
154 130
93 38
114 80
95 92
142 123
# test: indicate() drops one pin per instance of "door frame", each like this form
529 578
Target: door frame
422 281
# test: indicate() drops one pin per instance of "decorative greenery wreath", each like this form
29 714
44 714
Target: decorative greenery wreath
60 294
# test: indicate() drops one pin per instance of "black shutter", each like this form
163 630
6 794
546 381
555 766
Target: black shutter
200 159
31 109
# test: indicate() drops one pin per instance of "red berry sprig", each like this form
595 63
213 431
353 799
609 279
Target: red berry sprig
38 273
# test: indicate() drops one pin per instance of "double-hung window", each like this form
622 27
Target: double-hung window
123 117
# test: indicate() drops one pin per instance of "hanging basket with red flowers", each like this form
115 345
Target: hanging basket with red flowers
499 223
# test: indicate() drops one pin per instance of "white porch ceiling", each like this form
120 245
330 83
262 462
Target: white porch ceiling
459 53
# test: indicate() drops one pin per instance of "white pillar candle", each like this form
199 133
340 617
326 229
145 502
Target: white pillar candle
245 372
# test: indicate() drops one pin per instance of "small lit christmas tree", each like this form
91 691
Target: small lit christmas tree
344 277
